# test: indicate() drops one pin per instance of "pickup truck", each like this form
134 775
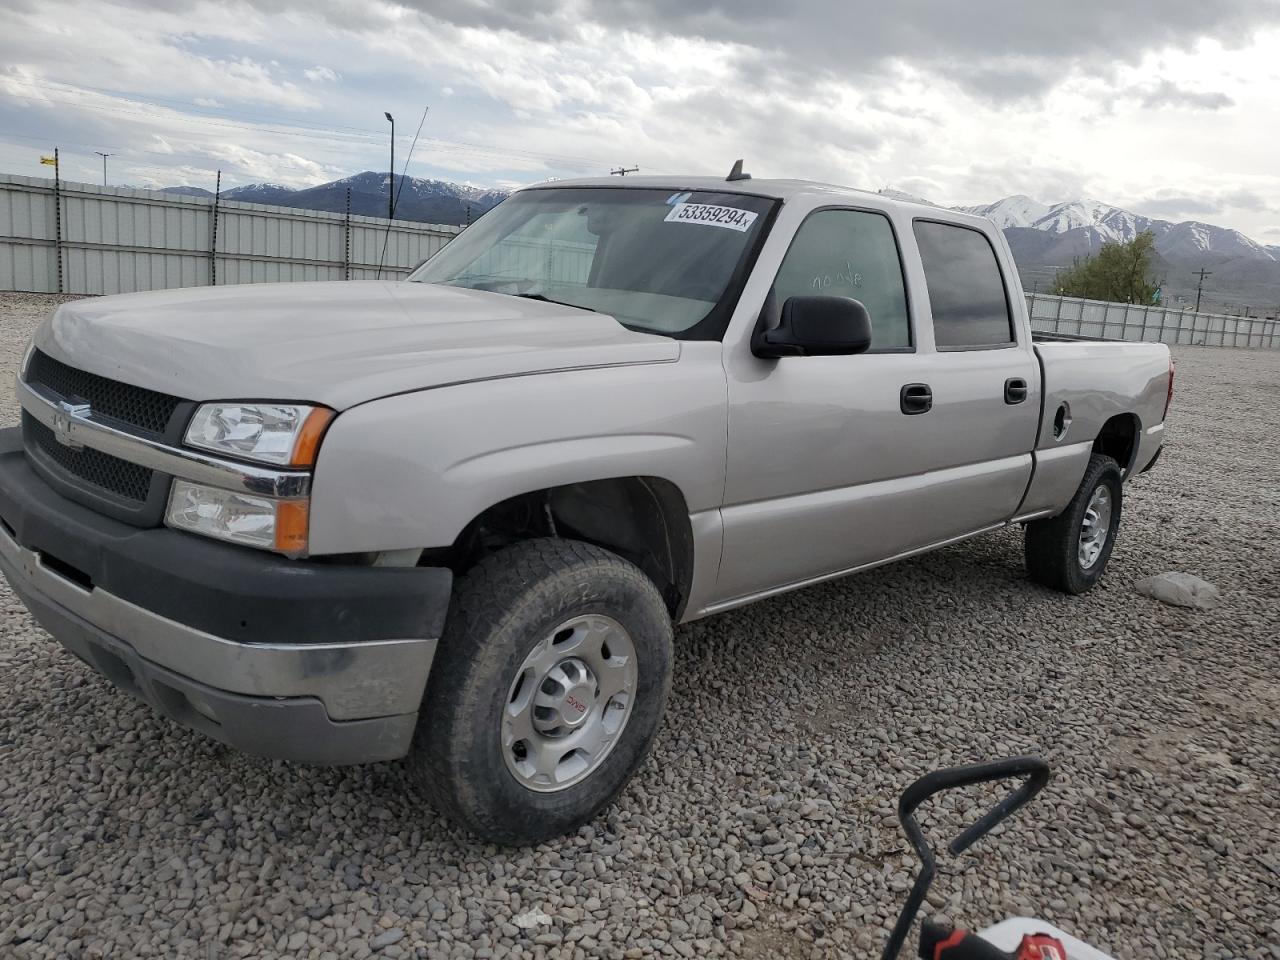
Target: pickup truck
455 518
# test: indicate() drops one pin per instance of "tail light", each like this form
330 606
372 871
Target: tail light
1169 399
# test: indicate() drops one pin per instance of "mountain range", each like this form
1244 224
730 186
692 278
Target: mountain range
427 201
1045 237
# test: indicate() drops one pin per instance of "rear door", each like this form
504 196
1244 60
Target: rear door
840 462
983 376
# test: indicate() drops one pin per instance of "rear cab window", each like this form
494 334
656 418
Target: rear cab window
966 288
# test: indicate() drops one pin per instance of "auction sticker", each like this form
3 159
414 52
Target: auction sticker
712 215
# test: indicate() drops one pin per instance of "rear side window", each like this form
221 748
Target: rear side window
850 253
970 307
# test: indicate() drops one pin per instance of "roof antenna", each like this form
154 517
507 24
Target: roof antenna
737 174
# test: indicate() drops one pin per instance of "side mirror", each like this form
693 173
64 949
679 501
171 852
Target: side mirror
816 327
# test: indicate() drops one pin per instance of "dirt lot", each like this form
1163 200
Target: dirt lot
763 823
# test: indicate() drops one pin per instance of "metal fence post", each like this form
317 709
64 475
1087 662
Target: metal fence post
1057 320
346 239
213 233
57 215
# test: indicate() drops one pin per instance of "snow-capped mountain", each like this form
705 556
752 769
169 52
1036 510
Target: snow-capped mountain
1100 223
1015 211
893 194
1046 237
418 198
259 193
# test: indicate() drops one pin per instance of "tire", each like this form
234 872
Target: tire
517 607
1054 550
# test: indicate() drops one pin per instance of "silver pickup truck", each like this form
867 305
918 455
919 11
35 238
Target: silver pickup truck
455 518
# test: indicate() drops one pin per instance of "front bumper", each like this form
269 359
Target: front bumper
305 661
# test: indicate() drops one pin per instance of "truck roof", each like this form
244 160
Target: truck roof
774 189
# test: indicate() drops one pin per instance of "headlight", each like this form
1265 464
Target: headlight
287 434
242 518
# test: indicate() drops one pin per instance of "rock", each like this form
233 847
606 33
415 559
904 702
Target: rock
387 938
1181 590
534 918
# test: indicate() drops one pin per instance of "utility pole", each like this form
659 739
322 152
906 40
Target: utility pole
391 177
623 171
104 165
1200 286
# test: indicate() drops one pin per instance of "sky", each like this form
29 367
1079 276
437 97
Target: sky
1168 108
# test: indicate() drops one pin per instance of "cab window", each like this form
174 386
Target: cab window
850 253
966 289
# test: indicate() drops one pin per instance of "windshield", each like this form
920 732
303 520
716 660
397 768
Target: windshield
653 259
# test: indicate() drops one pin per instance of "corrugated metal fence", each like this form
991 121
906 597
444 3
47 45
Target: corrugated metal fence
119 240
1126 321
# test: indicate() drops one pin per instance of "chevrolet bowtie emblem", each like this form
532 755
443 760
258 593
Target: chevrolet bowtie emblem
62 422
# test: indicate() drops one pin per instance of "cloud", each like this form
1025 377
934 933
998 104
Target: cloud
1173 205
992 49
1178 208
959 103
988 47
1166 93
1247 200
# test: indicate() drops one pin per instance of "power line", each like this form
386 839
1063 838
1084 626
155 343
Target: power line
623 171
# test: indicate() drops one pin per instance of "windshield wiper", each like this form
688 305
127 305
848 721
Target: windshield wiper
546 299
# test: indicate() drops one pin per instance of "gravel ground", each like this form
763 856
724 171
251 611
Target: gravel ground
763 824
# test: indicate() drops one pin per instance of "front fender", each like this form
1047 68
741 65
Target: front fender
412 471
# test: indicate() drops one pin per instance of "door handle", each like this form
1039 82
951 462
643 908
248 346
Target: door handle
1015 390
915 399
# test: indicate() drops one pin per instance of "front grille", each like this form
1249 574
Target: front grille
136 406
126 480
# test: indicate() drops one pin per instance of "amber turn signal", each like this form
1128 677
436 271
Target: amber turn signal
307 445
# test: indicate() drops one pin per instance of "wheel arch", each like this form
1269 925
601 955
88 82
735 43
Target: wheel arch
1118 439
644 519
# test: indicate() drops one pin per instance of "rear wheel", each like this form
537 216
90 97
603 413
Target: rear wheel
1069 552
547 690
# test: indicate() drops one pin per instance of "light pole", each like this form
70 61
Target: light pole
104 165
391 179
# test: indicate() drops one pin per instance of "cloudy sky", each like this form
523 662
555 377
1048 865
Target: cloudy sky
1169 108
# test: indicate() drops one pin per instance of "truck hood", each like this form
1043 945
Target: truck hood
338 344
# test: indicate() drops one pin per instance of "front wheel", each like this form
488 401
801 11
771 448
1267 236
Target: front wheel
1070 551
547 691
